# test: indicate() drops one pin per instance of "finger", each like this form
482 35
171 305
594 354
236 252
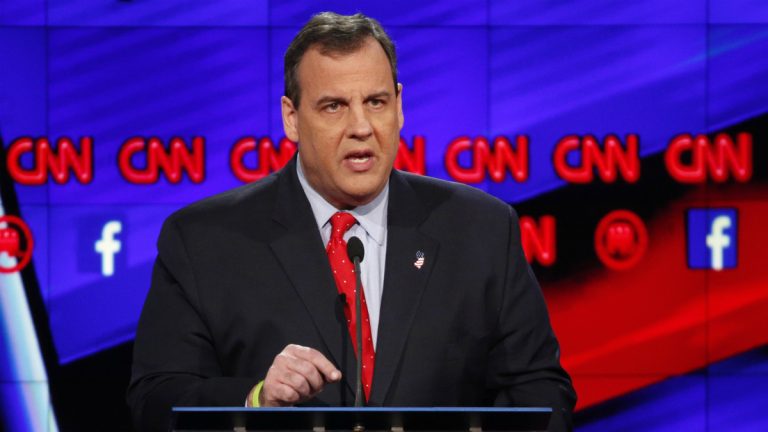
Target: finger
297 382
308 370
275 392
286 362
329 371
292 360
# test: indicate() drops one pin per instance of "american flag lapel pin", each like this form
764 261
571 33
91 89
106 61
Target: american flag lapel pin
419 260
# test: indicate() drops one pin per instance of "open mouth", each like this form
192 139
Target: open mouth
360 160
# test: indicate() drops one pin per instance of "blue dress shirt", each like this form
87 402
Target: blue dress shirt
371 228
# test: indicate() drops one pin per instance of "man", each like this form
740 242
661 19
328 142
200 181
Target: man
250 302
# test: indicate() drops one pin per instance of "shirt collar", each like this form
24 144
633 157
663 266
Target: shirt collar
372 217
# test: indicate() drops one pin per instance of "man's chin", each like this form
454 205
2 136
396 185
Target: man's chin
359 197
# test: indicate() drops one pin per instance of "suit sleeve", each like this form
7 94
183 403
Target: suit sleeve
524 362
175 361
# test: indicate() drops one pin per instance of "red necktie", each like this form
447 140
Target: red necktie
344 274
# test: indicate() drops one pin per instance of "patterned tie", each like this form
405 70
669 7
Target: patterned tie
344 274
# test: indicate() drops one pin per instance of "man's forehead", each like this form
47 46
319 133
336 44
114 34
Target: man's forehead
339 70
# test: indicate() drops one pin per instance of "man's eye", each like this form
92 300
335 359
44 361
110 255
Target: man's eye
333 107
376 103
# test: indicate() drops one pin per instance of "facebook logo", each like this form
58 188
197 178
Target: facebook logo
108 246
712 238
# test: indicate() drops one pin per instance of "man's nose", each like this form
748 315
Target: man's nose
359 125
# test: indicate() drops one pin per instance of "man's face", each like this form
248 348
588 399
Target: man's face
347 124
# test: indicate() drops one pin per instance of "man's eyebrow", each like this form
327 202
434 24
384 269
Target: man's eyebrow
329 99
384 94
379 95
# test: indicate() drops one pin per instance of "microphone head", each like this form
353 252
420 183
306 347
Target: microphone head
355 249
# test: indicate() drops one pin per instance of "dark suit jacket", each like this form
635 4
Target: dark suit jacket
240 275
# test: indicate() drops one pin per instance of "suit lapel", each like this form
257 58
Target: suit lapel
404 281
297 244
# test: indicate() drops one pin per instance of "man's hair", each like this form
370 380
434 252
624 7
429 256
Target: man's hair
334 34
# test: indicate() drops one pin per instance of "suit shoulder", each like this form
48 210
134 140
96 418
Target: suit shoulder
252 200
438 193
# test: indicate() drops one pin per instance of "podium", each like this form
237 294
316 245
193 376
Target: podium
389 419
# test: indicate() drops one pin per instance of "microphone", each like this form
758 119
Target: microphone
355 249
356 252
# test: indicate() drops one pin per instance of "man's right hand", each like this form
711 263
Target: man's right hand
297 374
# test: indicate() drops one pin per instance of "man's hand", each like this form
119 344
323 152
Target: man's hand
297 374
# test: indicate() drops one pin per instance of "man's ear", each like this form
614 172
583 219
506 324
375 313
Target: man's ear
290 119
400 118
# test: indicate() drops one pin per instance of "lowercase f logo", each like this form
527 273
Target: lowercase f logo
718 240
712 238
108 246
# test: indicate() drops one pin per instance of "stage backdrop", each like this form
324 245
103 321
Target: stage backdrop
630 136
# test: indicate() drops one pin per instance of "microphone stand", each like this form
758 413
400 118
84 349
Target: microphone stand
356 252
359 330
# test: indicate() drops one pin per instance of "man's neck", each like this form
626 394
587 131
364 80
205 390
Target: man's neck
372 216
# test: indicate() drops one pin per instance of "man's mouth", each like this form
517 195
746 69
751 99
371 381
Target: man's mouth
359 160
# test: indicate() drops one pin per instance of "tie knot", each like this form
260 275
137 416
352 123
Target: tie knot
341 222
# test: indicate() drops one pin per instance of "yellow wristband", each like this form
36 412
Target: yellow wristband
255 394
